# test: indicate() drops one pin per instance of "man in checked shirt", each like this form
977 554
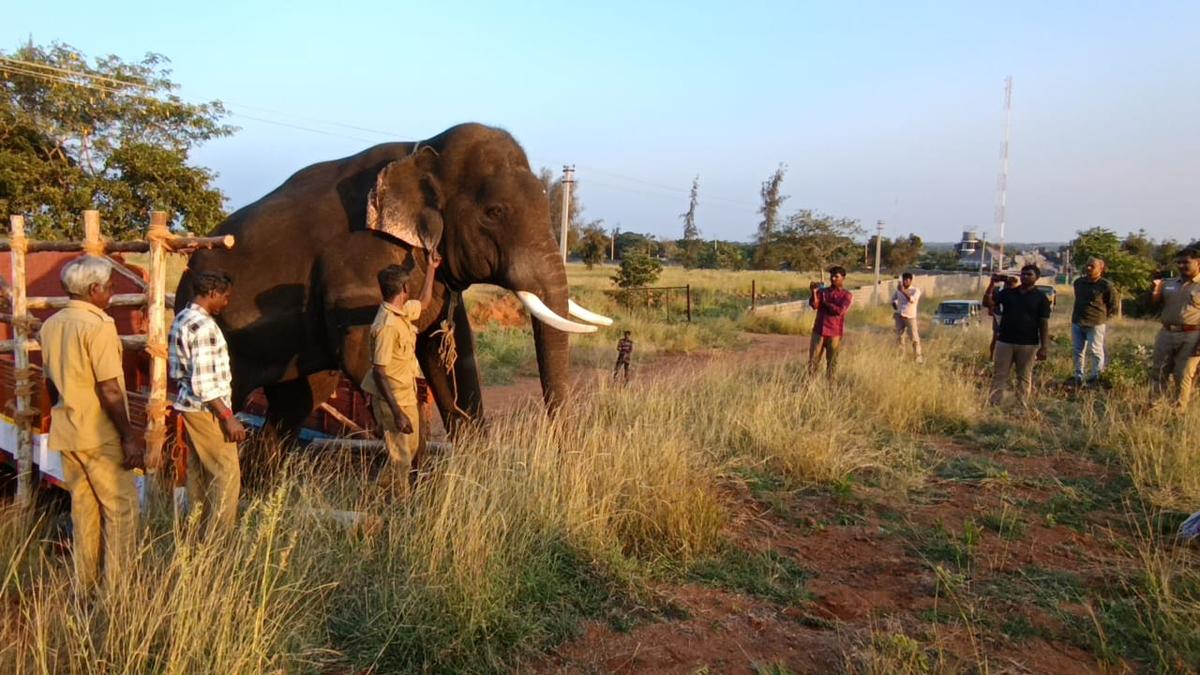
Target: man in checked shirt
199 367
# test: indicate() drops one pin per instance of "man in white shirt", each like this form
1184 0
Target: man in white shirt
904 301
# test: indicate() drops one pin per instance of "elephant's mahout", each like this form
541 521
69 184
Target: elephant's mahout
307 254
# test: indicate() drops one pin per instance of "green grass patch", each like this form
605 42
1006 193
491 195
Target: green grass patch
504 353
763 574
1006 523
970 469
938 545
777 324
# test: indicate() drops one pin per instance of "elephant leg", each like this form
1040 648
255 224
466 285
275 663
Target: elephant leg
288 405
459 398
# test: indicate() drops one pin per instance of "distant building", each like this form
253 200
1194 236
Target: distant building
969 246
969 250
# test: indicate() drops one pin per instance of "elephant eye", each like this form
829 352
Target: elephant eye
494 212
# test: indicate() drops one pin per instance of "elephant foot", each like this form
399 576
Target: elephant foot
288 405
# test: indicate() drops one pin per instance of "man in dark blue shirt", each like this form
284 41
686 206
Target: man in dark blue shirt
1024 333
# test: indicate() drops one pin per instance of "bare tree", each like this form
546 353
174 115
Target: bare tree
690 244
772 200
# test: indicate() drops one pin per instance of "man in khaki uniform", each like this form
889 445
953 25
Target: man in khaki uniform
198 361
392 380
89 423
1177 346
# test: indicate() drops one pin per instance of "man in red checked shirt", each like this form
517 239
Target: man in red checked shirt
831 303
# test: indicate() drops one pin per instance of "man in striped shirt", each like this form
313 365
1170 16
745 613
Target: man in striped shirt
199 367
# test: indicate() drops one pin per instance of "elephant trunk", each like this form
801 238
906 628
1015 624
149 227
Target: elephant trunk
544 294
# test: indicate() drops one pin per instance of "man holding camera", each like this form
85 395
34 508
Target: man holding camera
1095 302
1177 346
904 301
1024 334
831 304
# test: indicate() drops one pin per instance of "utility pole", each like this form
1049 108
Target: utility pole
878 246
1002 209
612 252
567 180
982 252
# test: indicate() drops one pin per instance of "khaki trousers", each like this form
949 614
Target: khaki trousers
104 512
401 448
906 326
1173 358
827 345
214 476
1008 355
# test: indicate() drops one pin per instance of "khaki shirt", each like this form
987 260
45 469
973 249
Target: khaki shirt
80 348
394 346
1181 302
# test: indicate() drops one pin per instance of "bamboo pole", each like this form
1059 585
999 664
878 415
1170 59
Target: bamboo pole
174 245
92 245
156 340
136 342
118 300
23 401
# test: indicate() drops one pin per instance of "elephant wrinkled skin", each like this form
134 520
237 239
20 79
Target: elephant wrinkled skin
307 253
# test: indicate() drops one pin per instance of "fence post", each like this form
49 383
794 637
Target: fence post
689 302
22 382
91 233
156 341
753 295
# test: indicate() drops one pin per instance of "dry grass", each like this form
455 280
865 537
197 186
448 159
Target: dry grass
520 529
532 524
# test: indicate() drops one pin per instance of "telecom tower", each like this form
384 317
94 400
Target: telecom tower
1002 208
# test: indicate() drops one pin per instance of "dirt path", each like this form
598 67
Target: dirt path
502 398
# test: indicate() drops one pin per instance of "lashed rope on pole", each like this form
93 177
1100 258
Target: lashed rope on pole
448 350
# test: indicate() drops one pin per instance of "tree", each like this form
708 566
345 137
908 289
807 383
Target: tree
772 200
900 253
637 270
633 241
554 187
813 241
1165 252
1128 272
110 135
593 243
722 255
1138 244
945 259
689 246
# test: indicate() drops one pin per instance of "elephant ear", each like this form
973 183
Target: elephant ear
406 200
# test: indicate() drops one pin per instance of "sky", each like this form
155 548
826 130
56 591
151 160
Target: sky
887 111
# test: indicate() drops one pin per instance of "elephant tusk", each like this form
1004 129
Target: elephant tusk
589 316
538 309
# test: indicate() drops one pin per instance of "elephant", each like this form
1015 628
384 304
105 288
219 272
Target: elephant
306 257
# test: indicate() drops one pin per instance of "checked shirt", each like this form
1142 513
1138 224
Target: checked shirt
198 360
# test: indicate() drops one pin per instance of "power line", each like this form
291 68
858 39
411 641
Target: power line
95 76
66 76
98 87
58 78
661 186
80 73
660 195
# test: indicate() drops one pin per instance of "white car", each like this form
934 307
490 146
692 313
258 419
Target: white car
958 313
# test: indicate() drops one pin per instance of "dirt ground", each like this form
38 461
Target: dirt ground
986 563
526 390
